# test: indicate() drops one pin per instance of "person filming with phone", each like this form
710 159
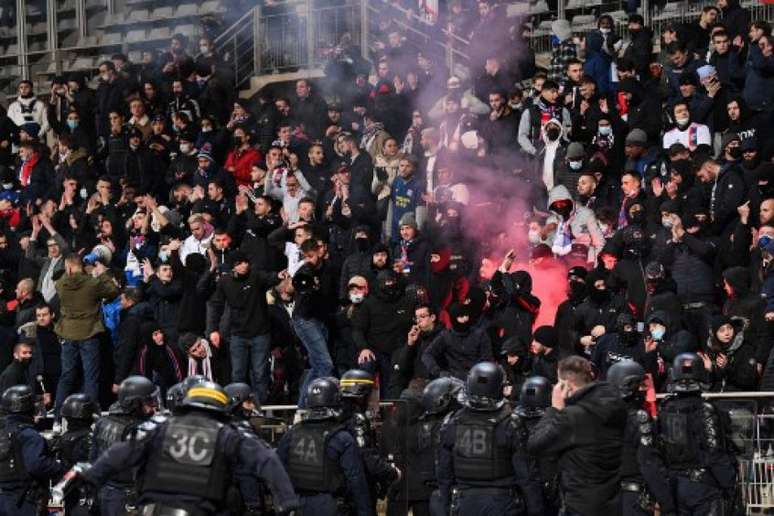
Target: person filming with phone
583 429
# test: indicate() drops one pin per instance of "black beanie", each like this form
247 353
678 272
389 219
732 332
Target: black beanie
547 336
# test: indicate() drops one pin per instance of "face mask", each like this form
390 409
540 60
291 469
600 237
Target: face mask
605 130
356 297
605 30
575 165
638 217
628 337
237 141
552 134
362 244
134 147
7 186
185 148
515 106
163 256
764 241
599 295
72 124
667 223
533 237
206 129
683 122
204 49
461 326
104 77
555 41
604 228
564 211
735 152
750 164
658 333
577 290
84 193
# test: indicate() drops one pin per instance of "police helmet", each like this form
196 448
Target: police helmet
626 376
18 399
536 393
135 391
441 394
356 383
238 393
208 396
79 406
323 393
484 387
687 373
175 395
193 380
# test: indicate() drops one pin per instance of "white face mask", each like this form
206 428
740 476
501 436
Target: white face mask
204 49
185 148
605 30
534 237
605 130
356 297
575 165
603 228
683 121
105 77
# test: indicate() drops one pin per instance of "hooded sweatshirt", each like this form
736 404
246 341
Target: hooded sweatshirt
580 228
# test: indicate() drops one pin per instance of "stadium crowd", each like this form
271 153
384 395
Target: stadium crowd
160 225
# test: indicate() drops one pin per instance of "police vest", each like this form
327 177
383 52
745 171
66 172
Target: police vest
190 461
11 463
109 430
427 447
681 432
309 467
75 446
477 455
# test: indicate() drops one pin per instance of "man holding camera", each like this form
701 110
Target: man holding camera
80 297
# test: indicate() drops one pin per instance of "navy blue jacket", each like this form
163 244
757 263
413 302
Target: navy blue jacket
39 463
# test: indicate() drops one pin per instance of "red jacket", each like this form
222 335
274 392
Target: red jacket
242 162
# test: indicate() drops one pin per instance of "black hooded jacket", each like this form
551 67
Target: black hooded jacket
587 438
736 19
381 322
748 307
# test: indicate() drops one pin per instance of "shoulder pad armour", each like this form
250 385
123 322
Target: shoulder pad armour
147 427
645 427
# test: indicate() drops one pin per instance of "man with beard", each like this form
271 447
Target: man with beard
17 372
454 351
28 109
501 129
728 193
583 429
566 313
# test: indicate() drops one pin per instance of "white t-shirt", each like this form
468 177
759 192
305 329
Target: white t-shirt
693 136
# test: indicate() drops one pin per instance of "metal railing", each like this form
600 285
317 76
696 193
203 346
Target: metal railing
301 35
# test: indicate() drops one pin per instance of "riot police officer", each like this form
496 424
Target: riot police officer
323 459
642 480
186 462
356 386
78 411
440 398
174 398
26 464
242 406
138 399
692 443
541 493
483 447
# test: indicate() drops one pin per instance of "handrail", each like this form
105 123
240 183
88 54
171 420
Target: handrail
234 26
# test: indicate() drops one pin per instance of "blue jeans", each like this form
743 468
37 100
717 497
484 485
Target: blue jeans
112 500
314 336
251 353
77 353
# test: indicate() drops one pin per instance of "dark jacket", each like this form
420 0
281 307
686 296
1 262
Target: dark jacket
691 265
736 19
381 323
246 300
587 437
164 299
125 353
454 353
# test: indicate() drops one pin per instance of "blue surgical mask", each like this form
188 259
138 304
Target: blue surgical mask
72 124
658 333
605 130
764 241
575 165
555 41
163 256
